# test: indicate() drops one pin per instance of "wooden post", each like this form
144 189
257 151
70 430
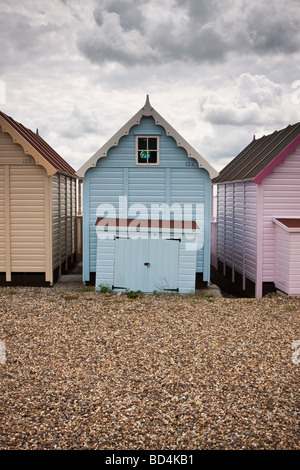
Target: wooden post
7 223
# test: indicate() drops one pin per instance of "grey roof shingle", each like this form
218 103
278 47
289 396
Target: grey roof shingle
257 155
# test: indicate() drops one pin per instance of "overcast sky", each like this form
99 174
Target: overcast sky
218 71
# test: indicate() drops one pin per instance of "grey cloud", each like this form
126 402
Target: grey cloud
190 30
130 14
80 123
275 29
20 35
207 44
263 27
124 34
202 11
28 36
109 42
220 115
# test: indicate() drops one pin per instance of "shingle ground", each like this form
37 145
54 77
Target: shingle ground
85 370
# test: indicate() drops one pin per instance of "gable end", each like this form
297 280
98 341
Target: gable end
147 110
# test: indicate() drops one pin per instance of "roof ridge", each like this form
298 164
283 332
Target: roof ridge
239 159
242 167
265 141
40 145
280 133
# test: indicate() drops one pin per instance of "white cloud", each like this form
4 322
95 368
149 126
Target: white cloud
248 100
258 89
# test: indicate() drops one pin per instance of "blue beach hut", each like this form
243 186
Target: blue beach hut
146 209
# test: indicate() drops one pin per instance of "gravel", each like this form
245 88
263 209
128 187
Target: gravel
86 370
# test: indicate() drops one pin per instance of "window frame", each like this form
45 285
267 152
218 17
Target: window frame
147 136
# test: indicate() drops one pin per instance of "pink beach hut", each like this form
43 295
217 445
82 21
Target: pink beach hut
257 247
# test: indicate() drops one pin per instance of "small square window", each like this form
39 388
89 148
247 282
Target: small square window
147 150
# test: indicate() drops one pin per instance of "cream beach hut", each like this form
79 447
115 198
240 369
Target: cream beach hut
37 208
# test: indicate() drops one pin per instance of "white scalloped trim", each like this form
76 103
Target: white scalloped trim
147 110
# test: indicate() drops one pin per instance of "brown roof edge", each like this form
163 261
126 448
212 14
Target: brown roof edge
147 223
37 144
289 222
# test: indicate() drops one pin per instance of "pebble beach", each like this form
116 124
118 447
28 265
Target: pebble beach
86 370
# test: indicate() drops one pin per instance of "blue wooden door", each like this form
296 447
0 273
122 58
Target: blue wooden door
146 265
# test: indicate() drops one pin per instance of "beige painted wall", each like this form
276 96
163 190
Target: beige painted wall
25 202
64 218
37 214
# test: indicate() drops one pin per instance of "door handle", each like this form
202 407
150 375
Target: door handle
147 264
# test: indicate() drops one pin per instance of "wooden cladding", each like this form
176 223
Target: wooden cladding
37 215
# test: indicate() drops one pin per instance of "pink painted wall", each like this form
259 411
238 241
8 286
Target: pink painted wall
280 197
287 265
245 227
236 227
